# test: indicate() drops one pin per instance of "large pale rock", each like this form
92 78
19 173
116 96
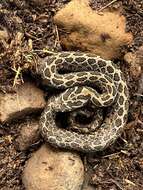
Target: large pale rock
51 169
26 99
29 135
82 28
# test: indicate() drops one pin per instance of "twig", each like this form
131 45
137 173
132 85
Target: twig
140 95
112 155
18 73
107 5
57 33
117 184
129 182
57 37
140 122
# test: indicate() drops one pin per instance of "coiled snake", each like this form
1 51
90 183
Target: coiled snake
79 74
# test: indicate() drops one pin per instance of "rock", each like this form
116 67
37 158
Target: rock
129 57
135 62
88 31
51 169
26 99
29 135
139 56
4 34
134 69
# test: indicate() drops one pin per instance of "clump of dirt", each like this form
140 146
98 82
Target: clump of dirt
26 28
86 30
135 62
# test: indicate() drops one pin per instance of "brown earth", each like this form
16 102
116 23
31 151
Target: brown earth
26 26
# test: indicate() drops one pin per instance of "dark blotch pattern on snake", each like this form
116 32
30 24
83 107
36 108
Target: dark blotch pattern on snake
78 74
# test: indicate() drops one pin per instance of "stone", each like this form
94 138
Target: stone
52 169
26 99
29 135
135 62
86 30
4 34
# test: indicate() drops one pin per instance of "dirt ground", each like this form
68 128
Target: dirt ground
120 167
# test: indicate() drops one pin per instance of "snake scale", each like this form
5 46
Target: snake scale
79 75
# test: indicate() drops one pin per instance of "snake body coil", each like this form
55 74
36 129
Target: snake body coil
79 74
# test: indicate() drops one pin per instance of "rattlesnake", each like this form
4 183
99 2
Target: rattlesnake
79 75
